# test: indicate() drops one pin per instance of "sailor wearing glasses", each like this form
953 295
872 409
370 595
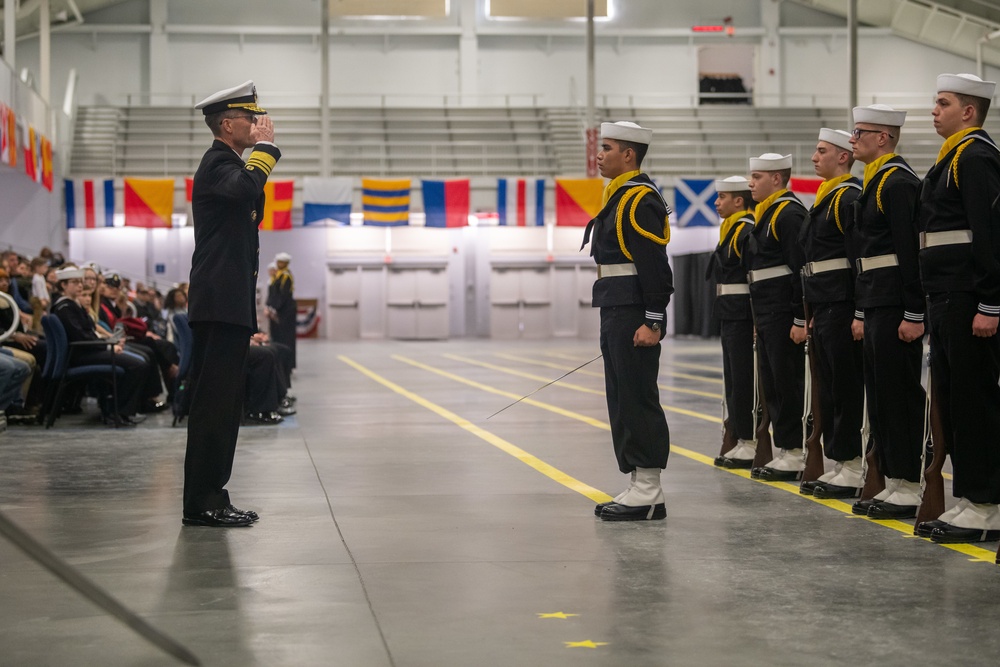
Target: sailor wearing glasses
227 202
890 315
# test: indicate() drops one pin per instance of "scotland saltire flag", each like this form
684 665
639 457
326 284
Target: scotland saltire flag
694 203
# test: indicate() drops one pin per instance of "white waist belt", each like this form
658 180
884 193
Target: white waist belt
732 288
767 274
615 270
877 262
956 237
839 264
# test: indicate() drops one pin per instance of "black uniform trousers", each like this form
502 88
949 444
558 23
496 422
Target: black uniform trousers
218 367
965 370
896 399
265 385
781 364
737 370
839 363
638 426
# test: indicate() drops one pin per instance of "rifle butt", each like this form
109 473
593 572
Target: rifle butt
728 438
874 479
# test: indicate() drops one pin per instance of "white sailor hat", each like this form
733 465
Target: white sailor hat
839 138
243 96
93 266
966 84
625 130
770 162
732 184
879 114
68 273
282 257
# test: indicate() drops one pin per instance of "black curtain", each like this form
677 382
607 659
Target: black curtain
693 296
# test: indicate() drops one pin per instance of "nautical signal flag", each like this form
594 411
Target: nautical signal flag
32 160
90 203
277 205
149 202
188 189
327 200
46 155
446 203
521 201
694 199
578 200
8 136
386 202
805 188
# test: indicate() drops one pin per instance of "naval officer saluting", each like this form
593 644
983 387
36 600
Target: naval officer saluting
227 202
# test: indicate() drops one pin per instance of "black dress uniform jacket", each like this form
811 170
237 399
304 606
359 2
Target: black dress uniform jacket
227 201
884 224
823 238
280 297
726 266
775 242
955 196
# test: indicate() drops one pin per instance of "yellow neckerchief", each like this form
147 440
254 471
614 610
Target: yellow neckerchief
953 141
826 187
283 273
872 168
617 182
728 223
762 207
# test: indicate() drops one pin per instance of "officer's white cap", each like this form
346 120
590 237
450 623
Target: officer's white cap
243 96
838 138
625 130
272 266
771 162
879 114
966 84
282 257
732 184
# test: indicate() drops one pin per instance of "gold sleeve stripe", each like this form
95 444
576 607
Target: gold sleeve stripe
257 164
878 193
774 220
264 158
635 225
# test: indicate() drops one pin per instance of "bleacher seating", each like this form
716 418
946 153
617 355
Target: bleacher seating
460 141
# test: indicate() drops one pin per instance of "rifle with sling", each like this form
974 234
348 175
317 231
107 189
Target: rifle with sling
932 502
814 450
762 434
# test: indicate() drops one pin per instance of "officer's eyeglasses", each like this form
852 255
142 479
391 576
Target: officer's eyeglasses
251 118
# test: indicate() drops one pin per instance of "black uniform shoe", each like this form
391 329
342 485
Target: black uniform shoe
884 510
827 490
807 488
286 409
734 464
263 419
250 514
220 518
154 406
862 506
766 474
618 512
925 528
600 506
949 534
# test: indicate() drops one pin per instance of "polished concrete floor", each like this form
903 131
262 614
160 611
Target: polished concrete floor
401 527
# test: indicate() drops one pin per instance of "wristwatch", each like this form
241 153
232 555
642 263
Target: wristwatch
655 326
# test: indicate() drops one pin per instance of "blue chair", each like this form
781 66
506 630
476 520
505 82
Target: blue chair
58 373
184 340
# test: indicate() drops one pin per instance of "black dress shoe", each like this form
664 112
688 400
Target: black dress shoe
600 506
220 518
735 464
154 406
925 528
250 514
807 488
949 534
766 474
618 512
286 410
884 510
263 419
835 491
862 506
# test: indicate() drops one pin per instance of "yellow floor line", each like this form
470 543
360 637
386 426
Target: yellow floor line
570 385
977 554
524 457
584 371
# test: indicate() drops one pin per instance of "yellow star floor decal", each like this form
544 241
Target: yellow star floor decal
584 644
557 614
